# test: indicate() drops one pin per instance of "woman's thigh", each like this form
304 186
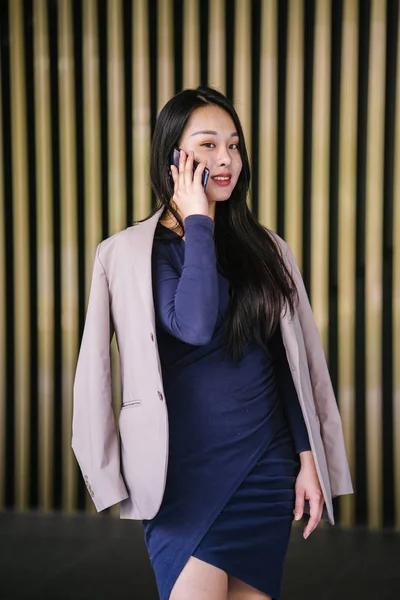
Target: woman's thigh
238 590
199 580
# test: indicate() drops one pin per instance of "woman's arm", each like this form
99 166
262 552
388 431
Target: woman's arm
288 394
186 304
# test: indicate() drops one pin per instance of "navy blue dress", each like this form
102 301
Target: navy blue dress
235 429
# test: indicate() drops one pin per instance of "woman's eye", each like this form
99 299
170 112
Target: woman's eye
211 145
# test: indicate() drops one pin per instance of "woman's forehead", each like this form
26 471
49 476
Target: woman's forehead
210 120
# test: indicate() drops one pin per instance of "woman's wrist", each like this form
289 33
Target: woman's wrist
306 457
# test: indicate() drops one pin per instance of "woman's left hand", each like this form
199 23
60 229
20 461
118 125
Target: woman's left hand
308 488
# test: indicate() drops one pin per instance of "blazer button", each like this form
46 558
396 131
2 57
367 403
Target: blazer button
160 396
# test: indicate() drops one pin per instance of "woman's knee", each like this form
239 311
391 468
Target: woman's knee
199 580
239 590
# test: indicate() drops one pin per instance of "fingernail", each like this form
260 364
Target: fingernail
305 535
297 516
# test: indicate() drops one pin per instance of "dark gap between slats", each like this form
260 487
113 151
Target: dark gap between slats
128 90
255 102
52 16
31 157
392 10
204 31
178 43
153 49
103 61
360 483
308 73
336 69
282 56
77 31
229 47
9 491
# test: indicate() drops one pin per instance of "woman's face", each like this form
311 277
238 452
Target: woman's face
211 134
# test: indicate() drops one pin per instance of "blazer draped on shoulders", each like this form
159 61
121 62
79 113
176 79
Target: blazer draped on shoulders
125 459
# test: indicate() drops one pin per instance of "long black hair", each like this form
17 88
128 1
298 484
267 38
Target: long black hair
247 253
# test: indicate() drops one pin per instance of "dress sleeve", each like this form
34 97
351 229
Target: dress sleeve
288 394
186 303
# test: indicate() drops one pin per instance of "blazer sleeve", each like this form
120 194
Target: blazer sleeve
94 434
324 396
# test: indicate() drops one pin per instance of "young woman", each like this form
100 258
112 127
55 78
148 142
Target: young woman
229 427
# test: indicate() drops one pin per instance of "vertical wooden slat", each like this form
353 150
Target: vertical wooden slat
69 243
373 296
320 171
346 235
294 129
3 390
165 58
141 110
92 150
117 162
242 70
191 44
45 266
116 121
216 45
21 254
268 115
396 299
91 95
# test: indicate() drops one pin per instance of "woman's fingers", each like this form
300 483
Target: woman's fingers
175 176
189 170
182 161
199 173
187 174
299 505
316 505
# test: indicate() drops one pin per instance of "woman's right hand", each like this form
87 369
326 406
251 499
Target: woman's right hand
189 195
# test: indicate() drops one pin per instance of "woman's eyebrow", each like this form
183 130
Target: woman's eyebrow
209 132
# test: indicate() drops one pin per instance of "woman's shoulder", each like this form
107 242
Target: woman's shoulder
281 244
284 250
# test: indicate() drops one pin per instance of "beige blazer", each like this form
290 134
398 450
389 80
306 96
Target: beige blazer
126 461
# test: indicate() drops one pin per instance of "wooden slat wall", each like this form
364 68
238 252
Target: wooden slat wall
317 86
346 236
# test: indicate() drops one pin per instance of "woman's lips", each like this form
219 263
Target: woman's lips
222 180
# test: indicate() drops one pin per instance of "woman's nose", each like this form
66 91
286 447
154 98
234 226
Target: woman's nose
224 158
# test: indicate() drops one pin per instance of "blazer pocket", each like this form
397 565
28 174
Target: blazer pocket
131 403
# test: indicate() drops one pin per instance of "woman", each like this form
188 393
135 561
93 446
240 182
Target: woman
253 430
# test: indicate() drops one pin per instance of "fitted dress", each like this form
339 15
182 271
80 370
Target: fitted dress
235 428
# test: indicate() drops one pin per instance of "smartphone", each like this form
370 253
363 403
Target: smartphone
174 160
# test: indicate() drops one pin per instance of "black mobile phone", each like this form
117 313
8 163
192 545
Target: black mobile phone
174 160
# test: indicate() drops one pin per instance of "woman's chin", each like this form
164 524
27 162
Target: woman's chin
221 197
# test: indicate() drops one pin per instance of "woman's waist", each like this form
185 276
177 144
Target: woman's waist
209 434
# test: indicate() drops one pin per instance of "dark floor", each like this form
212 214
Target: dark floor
101 557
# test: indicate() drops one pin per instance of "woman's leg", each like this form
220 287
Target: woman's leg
199 580
238 590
